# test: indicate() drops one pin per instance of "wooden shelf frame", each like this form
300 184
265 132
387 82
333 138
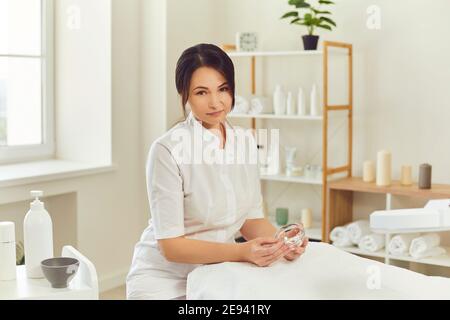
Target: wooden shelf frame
327 109
341 193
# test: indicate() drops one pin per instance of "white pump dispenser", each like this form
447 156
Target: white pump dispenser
38 236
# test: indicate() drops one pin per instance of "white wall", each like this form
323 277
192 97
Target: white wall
188 23
83 80
168 28
153 75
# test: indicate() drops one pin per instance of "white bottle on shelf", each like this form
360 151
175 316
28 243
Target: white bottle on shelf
315 109
301 103
38 237
279 101
274 160
7 251
290 105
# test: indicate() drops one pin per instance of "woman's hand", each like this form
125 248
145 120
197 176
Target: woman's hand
296 252
264 251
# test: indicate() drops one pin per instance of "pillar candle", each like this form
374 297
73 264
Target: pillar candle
406 178
425 176
369 171
307 218
384 159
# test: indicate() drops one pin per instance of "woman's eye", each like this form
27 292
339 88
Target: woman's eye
224 89
200 93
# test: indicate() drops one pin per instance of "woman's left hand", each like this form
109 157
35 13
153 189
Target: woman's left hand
296 252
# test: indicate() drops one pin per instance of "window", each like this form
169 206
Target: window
26 80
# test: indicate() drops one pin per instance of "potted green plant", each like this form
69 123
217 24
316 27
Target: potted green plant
312 18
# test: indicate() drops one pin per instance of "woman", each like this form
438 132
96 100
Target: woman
198 207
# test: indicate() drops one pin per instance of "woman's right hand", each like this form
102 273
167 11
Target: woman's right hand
264 251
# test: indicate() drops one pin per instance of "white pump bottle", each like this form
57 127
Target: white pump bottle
38 237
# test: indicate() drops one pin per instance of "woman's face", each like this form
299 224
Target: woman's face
209 97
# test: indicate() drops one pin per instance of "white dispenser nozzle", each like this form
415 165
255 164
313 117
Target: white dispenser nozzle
37 204
36 194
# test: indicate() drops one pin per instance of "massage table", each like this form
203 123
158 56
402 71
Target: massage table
322 272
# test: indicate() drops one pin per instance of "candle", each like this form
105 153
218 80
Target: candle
369 171
307 218
384 168
406 178
425 176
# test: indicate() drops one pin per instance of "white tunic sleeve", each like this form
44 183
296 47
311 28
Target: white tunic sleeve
165 193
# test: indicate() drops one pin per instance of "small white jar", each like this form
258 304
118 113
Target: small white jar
7 251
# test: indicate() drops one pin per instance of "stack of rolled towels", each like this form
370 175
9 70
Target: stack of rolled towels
416 245
254 105
358 233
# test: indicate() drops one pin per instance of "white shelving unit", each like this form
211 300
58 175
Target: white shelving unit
295 179
274 117
276 53
443 260
341 204
284 178
317 233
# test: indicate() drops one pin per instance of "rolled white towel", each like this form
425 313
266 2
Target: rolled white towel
241 105
433 252
259 105
256 107
372 242
399 244
424 243
340 237
358 229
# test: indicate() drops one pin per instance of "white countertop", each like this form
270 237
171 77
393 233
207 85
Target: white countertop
84 286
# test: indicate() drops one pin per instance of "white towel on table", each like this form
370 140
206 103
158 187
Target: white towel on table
358 229
340 237
323 272
372 242
424 243
399 244
433 252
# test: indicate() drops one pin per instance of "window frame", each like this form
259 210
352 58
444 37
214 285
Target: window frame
45 150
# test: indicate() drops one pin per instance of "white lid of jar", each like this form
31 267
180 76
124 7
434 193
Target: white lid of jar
7 232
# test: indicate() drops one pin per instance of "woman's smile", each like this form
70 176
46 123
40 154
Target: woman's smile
215 114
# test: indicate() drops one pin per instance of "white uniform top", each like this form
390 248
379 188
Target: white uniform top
198 200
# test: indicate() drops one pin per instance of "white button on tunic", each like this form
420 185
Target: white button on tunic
205 200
